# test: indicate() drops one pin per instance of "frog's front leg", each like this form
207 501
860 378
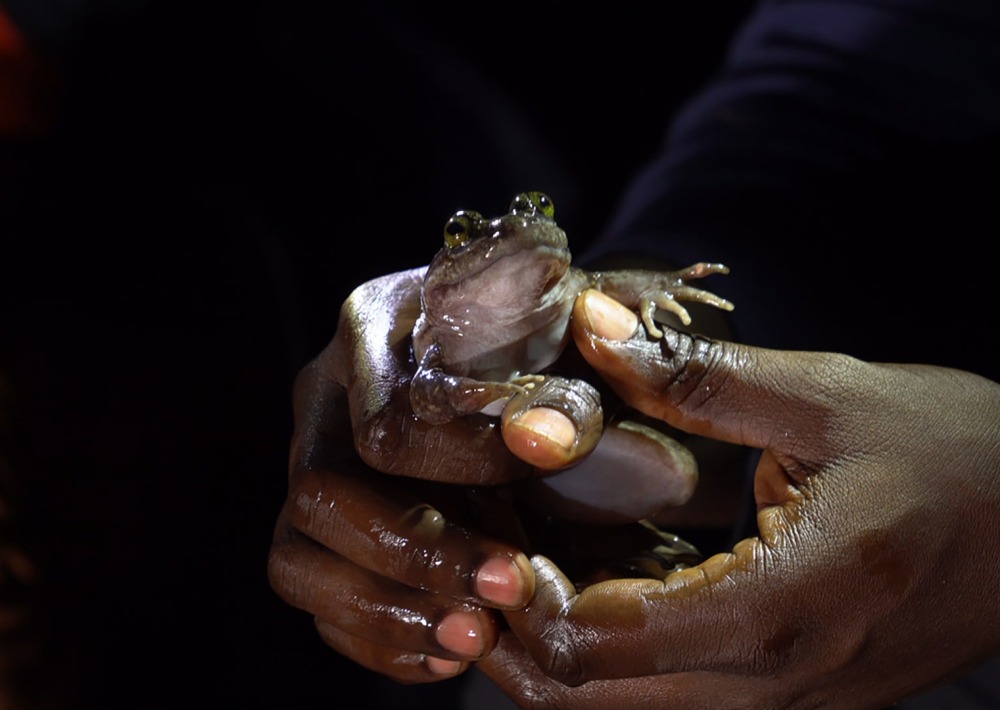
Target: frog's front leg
437 397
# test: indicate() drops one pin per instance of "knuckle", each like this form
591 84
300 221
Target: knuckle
281 571
419 565
693 371
561 659
533 692
312 506
533 695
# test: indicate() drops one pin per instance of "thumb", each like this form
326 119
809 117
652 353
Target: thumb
736 393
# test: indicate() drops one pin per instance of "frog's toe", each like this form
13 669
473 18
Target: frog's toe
649 321
661 301
690 293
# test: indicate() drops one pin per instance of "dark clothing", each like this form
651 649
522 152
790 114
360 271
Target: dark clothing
843 147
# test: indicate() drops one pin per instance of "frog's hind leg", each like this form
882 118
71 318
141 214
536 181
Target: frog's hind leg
669 301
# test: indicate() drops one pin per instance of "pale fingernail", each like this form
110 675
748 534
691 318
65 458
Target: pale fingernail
608 318
500 581
442 666
550 424
460 633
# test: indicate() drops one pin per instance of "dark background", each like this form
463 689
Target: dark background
210 182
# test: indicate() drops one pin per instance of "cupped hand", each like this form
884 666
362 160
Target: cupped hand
875 570
367 542
401 569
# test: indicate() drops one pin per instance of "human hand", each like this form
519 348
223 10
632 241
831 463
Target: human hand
400 569
875 572
392 583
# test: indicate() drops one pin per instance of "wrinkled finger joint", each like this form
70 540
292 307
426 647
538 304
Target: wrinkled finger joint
563 659
691 360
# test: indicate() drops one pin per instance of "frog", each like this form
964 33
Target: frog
495 309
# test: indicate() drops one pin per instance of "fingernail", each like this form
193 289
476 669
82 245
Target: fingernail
460 633
608 318
550 424
499 580
442 666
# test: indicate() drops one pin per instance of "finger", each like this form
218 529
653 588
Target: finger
555 423
635 472
400 665
515 672
387 525
368 606
736 393
696 619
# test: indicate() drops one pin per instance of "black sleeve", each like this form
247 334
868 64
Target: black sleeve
838 138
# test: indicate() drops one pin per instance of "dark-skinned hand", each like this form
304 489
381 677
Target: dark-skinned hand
403 570
875 572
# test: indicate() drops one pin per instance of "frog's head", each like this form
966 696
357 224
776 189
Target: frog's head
508 262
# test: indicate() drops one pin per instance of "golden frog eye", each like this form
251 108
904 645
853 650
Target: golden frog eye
534 202
543 203
458 229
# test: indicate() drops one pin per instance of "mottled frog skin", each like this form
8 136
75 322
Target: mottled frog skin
496 304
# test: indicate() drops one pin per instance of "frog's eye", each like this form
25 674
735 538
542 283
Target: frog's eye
542 203
533 202
458 230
